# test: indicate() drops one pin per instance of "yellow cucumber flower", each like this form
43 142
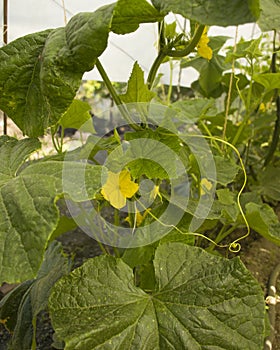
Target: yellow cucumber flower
202 47
118 187
205 186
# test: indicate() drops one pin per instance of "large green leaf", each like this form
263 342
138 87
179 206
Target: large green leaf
21 307
28 216
20 90
13 153
79 180
87 35
128 15
41 72
220 12
263 220
270 15
28 213
201 302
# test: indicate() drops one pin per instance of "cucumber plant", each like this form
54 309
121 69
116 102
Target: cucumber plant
185 184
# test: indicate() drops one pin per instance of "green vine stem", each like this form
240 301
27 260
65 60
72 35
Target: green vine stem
276 131
169 51
115 96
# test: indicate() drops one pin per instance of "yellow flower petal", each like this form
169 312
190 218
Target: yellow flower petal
118 187
205 186
127 187
202 48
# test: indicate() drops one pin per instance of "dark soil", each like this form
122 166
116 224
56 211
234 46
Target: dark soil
259 256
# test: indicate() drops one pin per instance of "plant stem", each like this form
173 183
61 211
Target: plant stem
276 131
168 51
115 96
153 71
276 134
221 235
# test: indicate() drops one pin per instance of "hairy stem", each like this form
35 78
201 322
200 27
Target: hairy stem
169 51
115 96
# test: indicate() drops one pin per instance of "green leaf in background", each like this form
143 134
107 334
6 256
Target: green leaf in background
30 298
194 109
270 81
201 301
13 153
270 182
270 15
220 12
211 74
262 219
129 15
250 49
137 90
228 204
10 304
226 170
64 225
76 115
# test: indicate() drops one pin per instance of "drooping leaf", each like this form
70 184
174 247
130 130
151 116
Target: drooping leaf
87 35
58 79
262 219
41 72
20 91
137 90
222 12
32 297
270 15
201 301
10 304
128 15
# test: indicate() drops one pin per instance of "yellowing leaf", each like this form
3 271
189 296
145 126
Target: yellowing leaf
205 186
202 47
118 187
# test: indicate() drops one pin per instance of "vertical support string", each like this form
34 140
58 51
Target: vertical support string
5 41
